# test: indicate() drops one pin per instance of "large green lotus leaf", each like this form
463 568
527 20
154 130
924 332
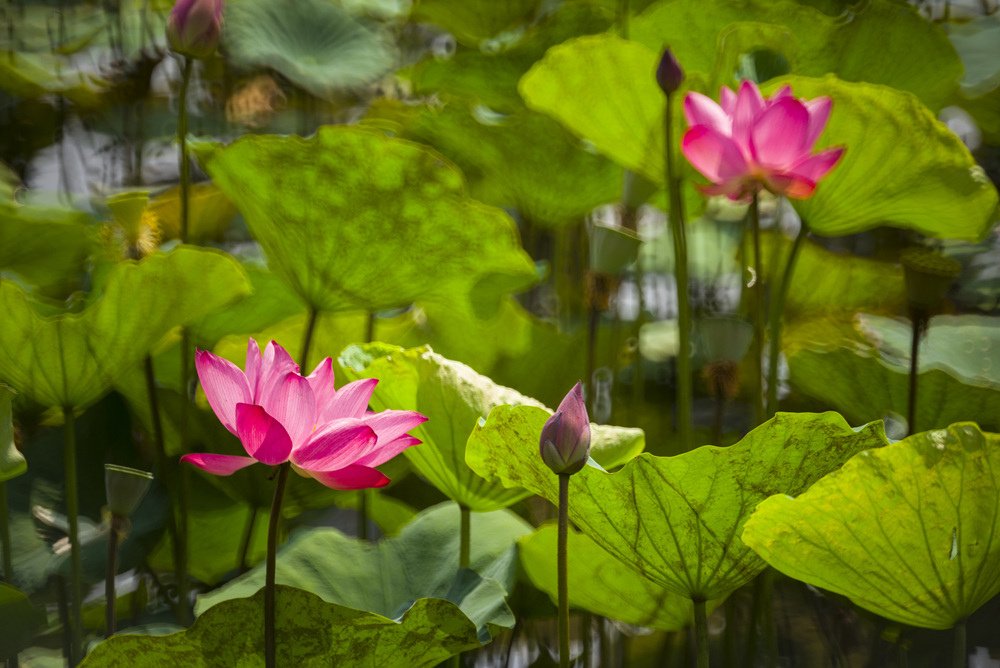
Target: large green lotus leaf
314 43
958 367
491 78
386 577
678 519
522 160
310 633
72 358
455 398
600 583
883 41
978 43
825 281
33 75
472 21
18 619
908 532
354 219
47 246
12 462
914 174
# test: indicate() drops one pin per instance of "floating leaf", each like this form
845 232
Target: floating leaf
914 174
601 584
337 212
455 398
310 632
677 520
315 44
866 377
907 531
72 358
386 577
12 462
882 41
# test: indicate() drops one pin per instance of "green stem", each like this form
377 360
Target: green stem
185 162
184 611
916 326
364 495
622 18
270 637
685 386
701 632
246 541
757 317
111 570
5 546
73 515
308 337
561 557
774 324
961 655
465 537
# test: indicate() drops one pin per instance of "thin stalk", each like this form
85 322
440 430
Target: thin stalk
593 320
757 316
561 563
62 605
246 540
774 323
73 515
111 570
685 383
8 556
729 639
185 162
465 537
308 337
701 632
184 611
961 655
622 18
720 415
270 637
916 327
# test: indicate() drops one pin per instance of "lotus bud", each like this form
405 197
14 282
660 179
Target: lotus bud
125 488
194 27
928 276
669 74
565 440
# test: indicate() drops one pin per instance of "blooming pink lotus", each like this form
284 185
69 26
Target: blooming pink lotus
748 142
281 416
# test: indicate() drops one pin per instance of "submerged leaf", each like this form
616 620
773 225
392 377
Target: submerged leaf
455 398
677 520
310 632
908 531
337 212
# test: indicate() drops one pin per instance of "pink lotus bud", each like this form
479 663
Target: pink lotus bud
194 27
669 74
565 440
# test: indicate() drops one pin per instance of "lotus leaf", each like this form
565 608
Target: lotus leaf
907 531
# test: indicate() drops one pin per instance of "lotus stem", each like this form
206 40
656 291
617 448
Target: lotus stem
185 162
111 570
561 557
181 488
757 316
465 536
247 539
917 323
270 637
701 632
364 495
960 658
307 338
685 383
775 316
73 516
5 546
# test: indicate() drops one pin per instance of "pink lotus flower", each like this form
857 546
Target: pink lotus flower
194 27
281 416
565 440
747 142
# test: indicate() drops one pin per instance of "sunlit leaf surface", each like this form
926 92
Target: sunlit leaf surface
310 632
910 531
678 519
353 219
